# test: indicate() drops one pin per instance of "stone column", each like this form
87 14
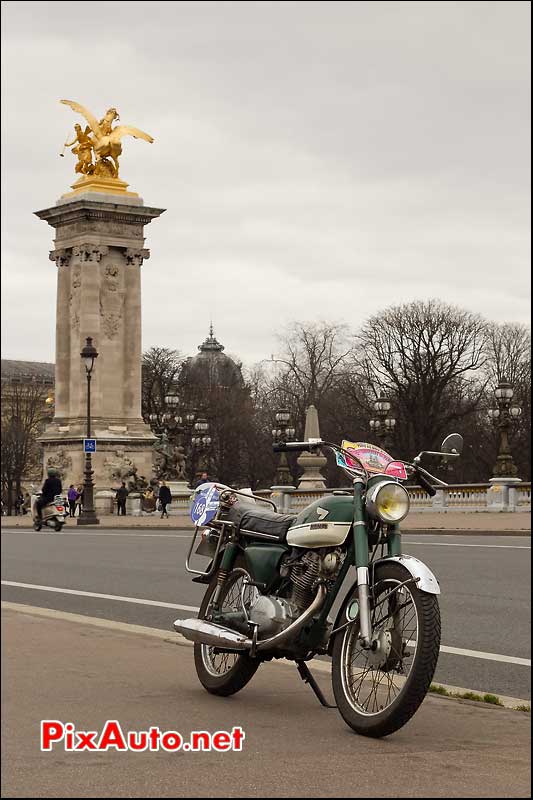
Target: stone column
99 249
62 258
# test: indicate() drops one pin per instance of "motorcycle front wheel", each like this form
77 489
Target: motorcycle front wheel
378 690
219 672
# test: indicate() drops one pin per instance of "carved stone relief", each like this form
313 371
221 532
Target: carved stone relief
75 298
136 256
90 252
111 300
60 256
61 461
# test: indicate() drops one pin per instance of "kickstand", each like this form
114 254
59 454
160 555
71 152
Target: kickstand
306 676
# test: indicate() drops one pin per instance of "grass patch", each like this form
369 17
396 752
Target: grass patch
467 696
491 698
435 688
527 709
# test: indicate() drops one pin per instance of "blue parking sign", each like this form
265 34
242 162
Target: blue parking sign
89 445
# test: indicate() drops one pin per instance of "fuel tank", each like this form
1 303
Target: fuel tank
324 523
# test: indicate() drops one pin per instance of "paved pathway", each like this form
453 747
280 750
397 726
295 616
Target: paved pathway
80 673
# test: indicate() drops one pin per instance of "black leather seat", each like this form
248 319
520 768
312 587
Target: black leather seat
263 524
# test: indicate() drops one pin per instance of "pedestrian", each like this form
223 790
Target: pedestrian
121 494
72 496
19 502
79 500
27 503
204 478
149 501
165 498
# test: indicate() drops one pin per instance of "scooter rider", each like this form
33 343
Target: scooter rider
51 487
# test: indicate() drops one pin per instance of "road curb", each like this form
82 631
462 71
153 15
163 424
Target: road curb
178 640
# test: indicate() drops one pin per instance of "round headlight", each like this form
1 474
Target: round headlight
388 501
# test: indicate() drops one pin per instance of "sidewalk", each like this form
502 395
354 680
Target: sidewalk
449 522
59 670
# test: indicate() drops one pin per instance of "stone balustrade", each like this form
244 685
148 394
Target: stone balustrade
473 497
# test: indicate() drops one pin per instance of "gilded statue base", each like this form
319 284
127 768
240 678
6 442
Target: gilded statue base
95 183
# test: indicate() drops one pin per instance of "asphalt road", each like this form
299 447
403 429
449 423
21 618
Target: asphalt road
485 584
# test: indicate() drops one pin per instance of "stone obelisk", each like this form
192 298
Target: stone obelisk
99 250
311 463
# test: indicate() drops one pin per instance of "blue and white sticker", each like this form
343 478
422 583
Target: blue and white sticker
205 503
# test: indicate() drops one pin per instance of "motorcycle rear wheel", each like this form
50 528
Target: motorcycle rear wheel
224 674
378 692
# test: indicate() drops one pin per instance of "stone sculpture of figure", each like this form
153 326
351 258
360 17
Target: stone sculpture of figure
169 461
181 462
106 141
83 150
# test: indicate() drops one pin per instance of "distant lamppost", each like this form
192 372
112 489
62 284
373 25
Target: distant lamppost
383 425
503 416
281 434
201 442
88 515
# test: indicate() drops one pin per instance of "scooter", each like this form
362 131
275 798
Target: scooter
53 514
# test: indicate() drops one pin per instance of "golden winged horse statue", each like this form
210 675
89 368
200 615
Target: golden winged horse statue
106 141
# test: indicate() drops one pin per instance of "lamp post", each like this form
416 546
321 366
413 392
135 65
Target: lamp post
503 416
383 425
281 434
201 441
88 514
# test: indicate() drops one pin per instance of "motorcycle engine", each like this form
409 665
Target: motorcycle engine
273 614
305 570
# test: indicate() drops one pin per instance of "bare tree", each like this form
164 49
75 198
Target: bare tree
160 372
428 357
23 417
313 359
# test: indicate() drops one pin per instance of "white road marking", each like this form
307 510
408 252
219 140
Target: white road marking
460 544
80 593
175 638
526 662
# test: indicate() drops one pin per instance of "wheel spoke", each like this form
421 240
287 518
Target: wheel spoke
369 675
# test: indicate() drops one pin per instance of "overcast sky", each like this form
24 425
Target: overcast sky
317 160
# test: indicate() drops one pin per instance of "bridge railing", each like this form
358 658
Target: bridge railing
475 497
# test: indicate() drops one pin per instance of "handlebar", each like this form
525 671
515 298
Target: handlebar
424 484
281 447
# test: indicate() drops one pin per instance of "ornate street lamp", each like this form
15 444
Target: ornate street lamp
502 417
201 442
384 425
88 514
283 433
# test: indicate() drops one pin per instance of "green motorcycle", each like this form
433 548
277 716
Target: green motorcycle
273 580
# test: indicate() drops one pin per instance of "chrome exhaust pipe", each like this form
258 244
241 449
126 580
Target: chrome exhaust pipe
199 630
204 632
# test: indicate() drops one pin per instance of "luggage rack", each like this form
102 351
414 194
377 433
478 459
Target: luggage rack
216 528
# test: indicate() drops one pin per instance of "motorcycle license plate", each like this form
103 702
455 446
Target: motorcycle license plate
207 544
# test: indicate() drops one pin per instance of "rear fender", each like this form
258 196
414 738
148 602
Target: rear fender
427 583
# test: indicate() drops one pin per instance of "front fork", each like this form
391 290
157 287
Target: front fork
361 563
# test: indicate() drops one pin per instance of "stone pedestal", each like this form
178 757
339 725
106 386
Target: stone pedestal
99 250
499 496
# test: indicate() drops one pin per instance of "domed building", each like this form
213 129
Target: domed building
211 368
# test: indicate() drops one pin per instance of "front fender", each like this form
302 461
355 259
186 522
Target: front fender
427 583
416 568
